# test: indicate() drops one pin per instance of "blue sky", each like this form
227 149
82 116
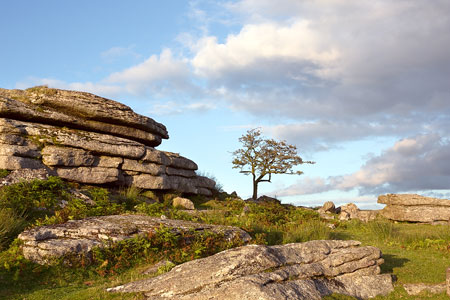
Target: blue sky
360 87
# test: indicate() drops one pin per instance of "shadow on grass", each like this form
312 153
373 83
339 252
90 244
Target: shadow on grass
391 262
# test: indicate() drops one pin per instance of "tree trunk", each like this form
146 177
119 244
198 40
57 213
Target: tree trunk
255 188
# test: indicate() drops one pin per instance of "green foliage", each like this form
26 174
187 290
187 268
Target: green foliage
35 198
262 157
11 225
157 209
162 244
4 173
78 209
165 268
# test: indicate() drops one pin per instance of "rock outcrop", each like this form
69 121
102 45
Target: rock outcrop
46 243
351 211
308 270
89 139
415 208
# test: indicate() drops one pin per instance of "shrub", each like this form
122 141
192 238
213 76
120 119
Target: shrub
34 198
11 225
162 244
4 173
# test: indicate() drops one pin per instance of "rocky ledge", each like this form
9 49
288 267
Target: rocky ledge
308 270
415 208
46 243
89 139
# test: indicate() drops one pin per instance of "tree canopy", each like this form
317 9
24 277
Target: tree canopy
263 157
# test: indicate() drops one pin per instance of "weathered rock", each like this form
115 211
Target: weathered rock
327 210
144 167
183 203
25 175
328 207
30 151
89 139
80 110
308 270
17 163
178 161
91 175
415 289
415 208
351 211
69 157
265 199
43 244
181 172
447 280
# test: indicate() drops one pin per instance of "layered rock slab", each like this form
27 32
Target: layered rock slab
415 208
46 243
80 110
308 270
89 139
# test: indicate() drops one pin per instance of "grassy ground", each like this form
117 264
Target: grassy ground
413 253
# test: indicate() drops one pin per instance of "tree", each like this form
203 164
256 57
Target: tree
262 157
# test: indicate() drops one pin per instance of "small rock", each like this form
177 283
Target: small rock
183 203
265 199
328 207
414 289
163 217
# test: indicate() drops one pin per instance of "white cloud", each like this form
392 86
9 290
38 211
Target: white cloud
174 108
116 53
263 42
157 74
412 164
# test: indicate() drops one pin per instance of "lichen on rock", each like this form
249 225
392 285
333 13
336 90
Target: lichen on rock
89 139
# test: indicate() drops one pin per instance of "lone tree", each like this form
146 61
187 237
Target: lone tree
264 157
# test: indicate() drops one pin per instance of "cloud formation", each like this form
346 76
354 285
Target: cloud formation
411 164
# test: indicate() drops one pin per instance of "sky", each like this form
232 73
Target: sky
360 87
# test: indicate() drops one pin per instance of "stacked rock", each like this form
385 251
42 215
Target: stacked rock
415 208
88 139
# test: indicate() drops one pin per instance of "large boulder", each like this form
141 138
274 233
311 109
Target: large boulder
80 110
308 270
415 208
351 211
46 243
89 139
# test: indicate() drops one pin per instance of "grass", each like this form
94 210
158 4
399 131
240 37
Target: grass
4 173
413 253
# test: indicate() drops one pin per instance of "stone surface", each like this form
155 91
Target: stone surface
91 175
415 208
183 203
265 199
351 211
17 163
308 270
25 175
80 110
328 207
415 289
42 244
447 281
89 139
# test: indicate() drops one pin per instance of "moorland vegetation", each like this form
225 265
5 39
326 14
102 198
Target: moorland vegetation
412 252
